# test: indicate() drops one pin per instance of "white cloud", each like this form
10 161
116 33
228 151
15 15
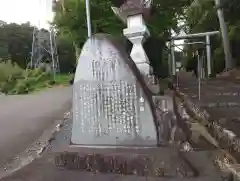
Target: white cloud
21 11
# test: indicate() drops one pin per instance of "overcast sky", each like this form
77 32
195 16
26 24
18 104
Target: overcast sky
21 11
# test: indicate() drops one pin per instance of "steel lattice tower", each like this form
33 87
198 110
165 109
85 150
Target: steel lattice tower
44 49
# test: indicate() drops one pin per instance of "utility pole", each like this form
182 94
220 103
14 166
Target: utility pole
226 45
88 18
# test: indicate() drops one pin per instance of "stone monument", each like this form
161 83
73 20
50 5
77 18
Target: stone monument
119 125
116 125
111 103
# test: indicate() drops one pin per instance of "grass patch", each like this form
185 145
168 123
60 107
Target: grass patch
63 79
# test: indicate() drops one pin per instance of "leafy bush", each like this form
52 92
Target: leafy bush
8 75
30 81
14 80
7 69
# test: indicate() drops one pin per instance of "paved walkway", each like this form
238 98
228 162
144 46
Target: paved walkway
23 118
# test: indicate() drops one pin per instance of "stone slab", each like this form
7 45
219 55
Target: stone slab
112 104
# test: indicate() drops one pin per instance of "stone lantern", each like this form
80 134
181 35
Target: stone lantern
134 13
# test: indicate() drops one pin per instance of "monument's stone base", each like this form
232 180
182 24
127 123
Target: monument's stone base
44 169
154 162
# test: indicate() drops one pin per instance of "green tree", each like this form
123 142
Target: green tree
201 16
70 20
67 59
18 39
16 45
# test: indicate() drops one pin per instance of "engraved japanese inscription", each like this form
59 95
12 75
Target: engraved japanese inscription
110 106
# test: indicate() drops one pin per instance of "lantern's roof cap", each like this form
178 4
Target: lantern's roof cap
119 3
125 8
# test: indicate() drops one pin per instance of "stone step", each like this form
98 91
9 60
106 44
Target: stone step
203 162
213 91
219 104
216 94
218 113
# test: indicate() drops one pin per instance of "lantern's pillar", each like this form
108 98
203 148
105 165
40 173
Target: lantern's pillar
137 33
134 13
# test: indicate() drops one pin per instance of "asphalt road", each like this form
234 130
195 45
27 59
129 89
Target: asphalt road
23 118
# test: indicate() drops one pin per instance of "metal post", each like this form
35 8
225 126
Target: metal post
204 65
177 79
169 59
199 78
55 52
52 55
208 50
88 18
173 58
33 42
226 45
